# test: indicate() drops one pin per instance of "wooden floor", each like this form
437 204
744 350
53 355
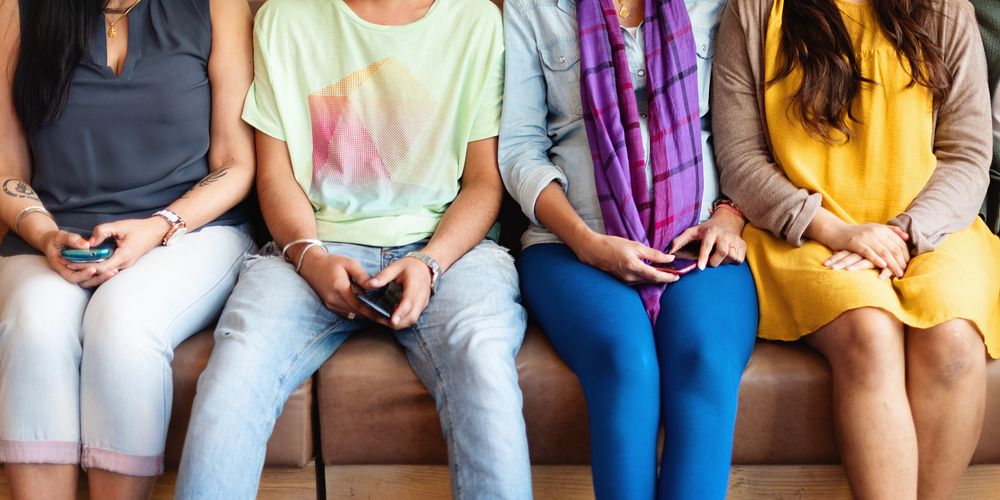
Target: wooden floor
275 484
415 482
816 482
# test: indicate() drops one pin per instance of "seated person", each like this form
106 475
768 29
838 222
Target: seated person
376 137
857 140
648 345
120 126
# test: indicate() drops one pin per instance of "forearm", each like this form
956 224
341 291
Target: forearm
287 211
555 212
17 196
823 227
465 223
215 194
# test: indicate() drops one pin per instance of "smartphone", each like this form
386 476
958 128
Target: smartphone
99 253
685 260
374 305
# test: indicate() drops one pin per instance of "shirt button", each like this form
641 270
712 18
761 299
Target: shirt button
643 115
641 73
562 59
704 47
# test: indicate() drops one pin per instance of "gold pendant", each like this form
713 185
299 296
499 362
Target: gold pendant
112 32
624 12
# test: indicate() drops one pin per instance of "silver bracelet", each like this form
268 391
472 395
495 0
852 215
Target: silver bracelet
26 211
302 256
284 250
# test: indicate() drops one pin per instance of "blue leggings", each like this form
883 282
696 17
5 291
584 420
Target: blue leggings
687 369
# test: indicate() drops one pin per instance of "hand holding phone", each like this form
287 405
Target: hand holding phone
375 306
685 260
96 254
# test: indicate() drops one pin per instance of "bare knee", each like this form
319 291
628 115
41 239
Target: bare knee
946 353
863 346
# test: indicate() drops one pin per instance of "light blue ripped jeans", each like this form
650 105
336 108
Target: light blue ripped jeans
85 374
275 333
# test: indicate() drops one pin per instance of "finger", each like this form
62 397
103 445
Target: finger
410 297
723 250
98 279
870 254
654 255
103 232
861 265
836 258
901 251
402 311
706 249
72 240
645 273
386 276
356 272
899 232
690 234
77 277
117 261
850 262
891 262
884 274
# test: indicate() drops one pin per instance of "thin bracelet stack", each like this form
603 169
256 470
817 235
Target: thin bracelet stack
26 211
308 242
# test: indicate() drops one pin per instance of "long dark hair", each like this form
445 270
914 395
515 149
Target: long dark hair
815 39
54 36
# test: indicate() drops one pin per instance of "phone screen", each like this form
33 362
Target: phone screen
679 266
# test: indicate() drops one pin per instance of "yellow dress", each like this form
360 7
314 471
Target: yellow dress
872 178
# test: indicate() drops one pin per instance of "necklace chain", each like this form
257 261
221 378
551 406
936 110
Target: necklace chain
112 31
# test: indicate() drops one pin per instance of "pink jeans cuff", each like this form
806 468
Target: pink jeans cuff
39 452
122 463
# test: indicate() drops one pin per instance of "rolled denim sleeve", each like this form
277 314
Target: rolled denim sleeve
524 142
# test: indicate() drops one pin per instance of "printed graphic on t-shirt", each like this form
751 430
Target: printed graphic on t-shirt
373 140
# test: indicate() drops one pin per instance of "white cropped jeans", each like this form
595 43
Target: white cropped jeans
85 375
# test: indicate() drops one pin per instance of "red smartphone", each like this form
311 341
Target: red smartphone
685 260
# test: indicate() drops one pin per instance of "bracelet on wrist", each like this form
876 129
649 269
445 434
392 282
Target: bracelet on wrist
302 256
25 212
287 247
727 204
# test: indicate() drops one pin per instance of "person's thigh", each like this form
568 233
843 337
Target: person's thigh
463 349
40 349
708 321
273 334
586 313
705 334
130 329
601 329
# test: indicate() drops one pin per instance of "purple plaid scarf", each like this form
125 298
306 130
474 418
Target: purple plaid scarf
612 121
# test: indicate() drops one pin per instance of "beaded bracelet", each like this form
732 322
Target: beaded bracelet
728 205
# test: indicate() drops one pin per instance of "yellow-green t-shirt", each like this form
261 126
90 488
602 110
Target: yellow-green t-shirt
377 118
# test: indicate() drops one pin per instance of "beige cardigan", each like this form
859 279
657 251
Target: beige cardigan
749 175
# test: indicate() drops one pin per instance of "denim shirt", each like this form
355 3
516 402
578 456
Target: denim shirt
542 133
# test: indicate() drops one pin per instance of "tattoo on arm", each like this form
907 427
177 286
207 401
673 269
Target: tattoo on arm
209 179
19 189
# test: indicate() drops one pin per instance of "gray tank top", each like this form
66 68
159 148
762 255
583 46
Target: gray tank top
129 145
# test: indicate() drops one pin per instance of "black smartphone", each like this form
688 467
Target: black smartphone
372 304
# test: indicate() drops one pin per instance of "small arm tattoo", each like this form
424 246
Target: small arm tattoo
208 179
19 189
